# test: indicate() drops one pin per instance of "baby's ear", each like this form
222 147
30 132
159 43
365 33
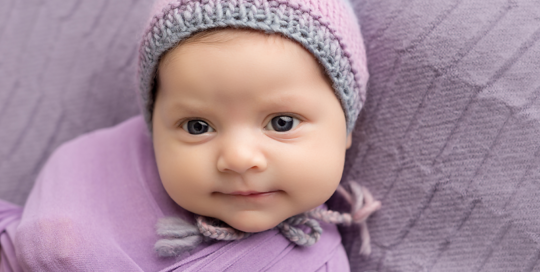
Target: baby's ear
349 140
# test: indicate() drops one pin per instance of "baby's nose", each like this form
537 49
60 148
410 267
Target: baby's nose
240 154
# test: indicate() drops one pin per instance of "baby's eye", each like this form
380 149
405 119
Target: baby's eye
197 127
282 123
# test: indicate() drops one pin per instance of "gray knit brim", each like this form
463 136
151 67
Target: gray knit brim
180 22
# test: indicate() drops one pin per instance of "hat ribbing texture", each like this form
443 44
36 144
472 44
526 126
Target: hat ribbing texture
326 28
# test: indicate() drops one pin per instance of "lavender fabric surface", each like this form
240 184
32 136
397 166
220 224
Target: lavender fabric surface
448 138
95 205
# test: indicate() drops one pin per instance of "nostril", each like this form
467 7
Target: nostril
240 163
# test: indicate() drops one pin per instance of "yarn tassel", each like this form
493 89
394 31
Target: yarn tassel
363 205
179 237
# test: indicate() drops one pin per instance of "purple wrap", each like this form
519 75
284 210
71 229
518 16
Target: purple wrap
95 205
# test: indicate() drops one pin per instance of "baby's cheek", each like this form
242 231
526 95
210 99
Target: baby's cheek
315 175
184 184
183 167
327 160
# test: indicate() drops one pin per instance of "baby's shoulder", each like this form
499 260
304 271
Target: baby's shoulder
99 159
87 198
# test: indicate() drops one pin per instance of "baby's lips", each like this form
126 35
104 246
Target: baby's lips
251 193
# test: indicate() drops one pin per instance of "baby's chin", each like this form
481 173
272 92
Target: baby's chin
253 221
252 226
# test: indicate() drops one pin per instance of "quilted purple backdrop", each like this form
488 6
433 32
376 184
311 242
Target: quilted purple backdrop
449 140
66 68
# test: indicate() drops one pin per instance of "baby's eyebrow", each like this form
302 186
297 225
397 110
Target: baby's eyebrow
188 107
287 101
284 98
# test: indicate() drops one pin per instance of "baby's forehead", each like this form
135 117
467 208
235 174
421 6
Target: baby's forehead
222 38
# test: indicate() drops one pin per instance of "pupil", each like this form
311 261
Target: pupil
282 123
197 127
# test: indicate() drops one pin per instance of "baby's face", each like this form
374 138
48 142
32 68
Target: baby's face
247 130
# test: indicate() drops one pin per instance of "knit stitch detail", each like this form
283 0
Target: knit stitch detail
181 19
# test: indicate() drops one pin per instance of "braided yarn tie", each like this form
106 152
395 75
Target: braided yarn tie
362 206
331 217
289 228
181 236
208 229
298 236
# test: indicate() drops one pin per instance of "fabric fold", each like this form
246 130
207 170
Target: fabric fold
10 215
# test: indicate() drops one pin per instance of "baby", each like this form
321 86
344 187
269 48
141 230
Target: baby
247 127
250 105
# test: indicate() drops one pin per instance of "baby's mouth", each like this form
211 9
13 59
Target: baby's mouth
247 193
250 199
251 193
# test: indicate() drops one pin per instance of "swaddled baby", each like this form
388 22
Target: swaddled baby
249 107
248 126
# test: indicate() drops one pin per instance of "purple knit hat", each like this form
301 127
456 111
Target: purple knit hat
326 28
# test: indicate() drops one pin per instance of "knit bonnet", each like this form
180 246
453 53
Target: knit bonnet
326 28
